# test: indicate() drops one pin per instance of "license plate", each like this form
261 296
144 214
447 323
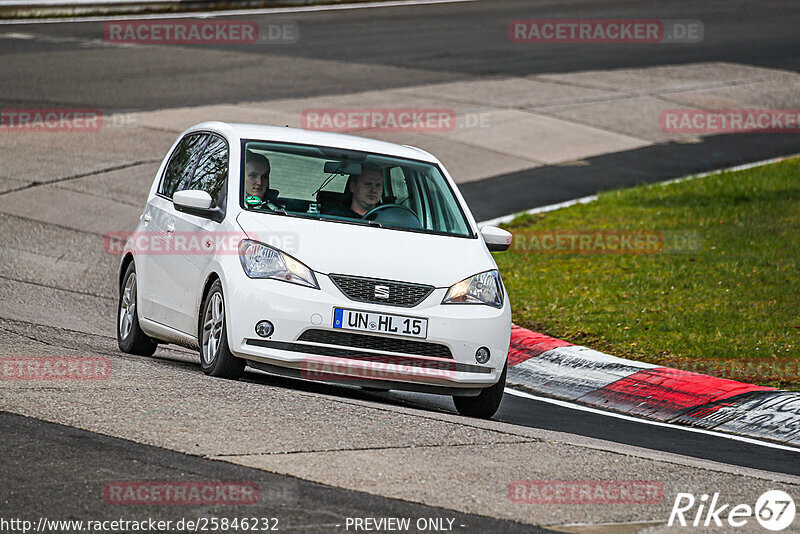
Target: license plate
382 323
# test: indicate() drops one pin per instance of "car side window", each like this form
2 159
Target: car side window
211 170
182 164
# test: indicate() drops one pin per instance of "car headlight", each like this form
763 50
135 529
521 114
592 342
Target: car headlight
483 288
261 261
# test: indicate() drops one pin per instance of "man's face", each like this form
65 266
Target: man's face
256 178
367 189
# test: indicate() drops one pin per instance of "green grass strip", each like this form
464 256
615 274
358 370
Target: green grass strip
713 287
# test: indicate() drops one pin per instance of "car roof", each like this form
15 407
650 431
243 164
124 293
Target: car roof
312 137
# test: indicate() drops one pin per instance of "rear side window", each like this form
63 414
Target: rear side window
211 170
182 164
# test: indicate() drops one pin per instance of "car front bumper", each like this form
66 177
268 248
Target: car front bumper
381 361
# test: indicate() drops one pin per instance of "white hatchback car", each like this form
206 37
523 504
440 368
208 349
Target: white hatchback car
318 256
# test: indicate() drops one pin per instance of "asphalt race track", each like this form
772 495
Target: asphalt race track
39 453
378 49
318 453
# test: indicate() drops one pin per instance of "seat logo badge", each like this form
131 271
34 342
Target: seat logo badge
382 292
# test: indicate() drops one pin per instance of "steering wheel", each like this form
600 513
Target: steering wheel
400 217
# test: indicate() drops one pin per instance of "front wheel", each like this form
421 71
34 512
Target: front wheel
485 405
130 337
215 354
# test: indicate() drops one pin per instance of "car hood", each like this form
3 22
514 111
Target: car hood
332 247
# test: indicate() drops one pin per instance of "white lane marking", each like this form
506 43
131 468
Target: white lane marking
595 526
729 169
542 209
566 404
50 39
17 35
68 3
591 198
237 12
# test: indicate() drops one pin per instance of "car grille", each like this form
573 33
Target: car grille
360 289
361 341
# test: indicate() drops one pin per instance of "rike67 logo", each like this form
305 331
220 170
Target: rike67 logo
774 511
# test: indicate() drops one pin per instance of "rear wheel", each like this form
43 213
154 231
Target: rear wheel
486 403
130 337
216 358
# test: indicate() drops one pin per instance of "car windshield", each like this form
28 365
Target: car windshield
349 186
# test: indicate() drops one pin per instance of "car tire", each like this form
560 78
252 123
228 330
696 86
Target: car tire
216 358
486 403
130 337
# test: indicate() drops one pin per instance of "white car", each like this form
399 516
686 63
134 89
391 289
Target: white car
318 256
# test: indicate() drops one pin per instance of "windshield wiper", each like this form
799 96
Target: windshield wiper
364 222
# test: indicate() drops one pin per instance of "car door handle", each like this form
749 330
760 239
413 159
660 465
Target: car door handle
146 217
171 228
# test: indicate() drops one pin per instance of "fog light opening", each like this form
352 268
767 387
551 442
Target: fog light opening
264 328
482 355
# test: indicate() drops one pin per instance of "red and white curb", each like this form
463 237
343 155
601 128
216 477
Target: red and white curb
556 368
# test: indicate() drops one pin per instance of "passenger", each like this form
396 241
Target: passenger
367 191
256 175
256 181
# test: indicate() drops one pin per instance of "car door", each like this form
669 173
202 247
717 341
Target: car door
154 266
195 239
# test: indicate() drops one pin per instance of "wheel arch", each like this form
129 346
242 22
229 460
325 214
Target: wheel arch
210 279
123 267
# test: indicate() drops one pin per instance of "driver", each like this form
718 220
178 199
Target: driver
367 190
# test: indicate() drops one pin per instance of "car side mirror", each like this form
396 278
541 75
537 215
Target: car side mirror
496 239
194 198
197 202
